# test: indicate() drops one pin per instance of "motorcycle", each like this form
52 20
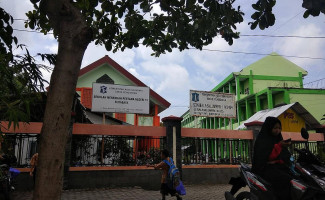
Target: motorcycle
7 174
309 185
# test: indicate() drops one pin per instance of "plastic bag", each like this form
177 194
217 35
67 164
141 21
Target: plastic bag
180 189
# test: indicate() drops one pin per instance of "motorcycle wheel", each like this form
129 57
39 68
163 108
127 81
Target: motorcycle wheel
6 191
243 196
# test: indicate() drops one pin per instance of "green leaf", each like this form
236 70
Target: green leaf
271 19
254 25
306 14
256 7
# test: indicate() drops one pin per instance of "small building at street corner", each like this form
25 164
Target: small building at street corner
293 117
106 70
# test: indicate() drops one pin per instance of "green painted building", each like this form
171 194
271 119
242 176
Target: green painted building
270 81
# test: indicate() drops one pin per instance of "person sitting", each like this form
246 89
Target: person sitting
271 158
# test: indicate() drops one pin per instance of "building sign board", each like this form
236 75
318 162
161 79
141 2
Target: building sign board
120 99
212 104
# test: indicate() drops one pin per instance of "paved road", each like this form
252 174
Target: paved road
194 192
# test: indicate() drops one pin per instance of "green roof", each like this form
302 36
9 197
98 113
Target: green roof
274 65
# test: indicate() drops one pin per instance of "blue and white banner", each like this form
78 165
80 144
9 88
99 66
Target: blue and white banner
112 98
212 104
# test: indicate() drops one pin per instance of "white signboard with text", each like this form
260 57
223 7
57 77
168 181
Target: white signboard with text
120 99
212 104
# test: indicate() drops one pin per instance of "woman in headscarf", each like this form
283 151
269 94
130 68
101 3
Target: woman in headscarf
271 158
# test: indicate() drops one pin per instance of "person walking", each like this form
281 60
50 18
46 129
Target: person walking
164 189
33 169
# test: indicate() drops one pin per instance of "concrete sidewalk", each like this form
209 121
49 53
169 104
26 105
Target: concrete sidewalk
194 192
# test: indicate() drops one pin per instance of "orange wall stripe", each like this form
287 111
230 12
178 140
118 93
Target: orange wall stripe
100 129
31 128
295 136
217 133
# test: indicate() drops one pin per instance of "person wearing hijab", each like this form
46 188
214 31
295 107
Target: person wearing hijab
271 158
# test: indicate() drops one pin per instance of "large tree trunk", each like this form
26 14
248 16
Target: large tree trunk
74 37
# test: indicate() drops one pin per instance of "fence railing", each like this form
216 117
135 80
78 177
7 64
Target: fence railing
316 148
93 150
98 150
137 146
23 146
215 151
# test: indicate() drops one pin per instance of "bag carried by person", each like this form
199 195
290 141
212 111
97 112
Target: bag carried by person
173 178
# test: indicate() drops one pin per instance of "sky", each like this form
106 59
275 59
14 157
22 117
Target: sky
172 75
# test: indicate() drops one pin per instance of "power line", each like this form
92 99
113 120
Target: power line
241 35
285 36
314 81
21 19
30 31
260 54
287 21
224 51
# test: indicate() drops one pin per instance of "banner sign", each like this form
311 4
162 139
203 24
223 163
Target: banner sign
212 104
120 99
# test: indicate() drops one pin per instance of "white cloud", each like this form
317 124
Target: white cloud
95 52
168 77
220 63
144 53
301 46
148 80
53 48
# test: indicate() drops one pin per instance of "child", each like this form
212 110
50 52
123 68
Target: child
33 164
164 189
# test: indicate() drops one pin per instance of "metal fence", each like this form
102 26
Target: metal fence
215 151
92 150
316 148
23 146
98 150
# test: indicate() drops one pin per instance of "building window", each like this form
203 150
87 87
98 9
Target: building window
246 91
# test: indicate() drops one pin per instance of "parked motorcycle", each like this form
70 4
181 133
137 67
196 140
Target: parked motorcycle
309 185
5 181
7 175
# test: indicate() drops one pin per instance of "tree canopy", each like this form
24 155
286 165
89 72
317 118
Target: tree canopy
127 23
